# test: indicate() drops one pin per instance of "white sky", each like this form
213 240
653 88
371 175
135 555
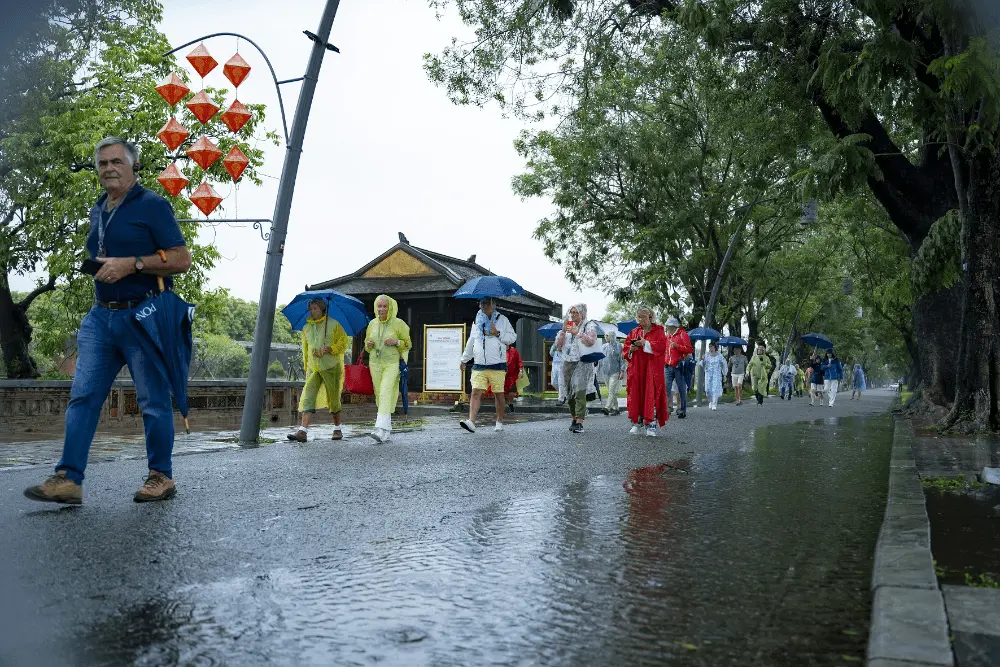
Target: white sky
385 151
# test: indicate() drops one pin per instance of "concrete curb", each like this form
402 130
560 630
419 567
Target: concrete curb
909 625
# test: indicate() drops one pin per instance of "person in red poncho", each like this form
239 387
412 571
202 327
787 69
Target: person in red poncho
645 349
514 366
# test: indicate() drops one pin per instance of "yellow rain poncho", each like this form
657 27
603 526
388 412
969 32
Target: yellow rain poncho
759 371
323 369
383 360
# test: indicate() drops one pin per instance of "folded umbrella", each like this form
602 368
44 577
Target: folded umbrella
818 340
703 333
482 286
404 375
165 322
347 310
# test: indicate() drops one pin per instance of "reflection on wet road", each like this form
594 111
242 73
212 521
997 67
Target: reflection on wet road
760 557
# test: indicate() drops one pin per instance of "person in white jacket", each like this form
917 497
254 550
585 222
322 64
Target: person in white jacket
487 350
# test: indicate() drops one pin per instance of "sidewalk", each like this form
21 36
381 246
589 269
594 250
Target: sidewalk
965 537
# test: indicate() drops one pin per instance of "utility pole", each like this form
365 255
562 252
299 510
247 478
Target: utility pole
257 383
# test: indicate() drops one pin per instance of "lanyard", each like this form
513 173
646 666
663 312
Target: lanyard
102 227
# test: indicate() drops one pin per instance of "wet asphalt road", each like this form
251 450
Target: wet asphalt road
447 548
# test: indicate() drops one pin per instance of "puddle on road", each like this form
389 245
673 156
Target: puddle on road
760 557
965 535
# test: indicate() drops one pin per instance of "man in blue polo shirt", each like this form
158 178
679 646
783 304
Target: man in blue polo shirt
134 235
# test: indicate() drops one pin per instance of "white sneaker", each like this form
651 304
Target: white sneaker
378 435
635 430
651 431
467 425
498 427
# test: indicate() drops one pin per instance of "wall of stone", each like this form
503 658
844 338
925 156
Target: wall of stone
28 406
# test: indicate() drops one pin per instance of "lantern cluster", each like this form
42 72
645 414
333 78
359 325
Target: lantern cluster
203 151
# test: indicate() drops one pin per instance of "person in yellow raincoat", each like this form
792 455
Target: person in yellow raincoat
759 371
387 342
324 343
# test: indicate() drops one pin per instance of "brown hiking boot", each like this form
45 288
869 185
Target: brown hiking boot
56 489
337 434
156 487
298 436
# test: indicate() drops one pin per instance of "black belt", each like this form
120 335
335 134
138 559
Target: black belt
118 305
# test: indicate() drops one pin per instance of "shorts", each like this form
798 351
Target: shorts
738 379
817 387
492 380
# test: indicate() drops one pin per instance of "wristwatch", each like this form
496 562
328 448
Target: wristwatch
139 266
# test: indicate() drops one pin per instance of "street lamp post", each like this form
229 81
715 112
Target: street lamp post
256 384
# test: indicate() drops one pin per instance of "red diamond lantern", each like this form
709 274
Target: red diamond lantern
235 162
236 70
204 153
202 107
236 116
173 134
173 89
206 198
202 62
172 180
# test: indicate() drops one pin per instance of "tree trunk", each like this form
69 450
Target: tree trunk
977 385
15 334
936 319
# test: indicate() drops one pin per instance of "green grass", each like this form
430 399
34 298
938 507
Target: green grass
981 581
905 396
950 483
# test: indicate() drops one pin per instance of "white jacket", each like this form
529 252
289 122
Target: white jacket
490 350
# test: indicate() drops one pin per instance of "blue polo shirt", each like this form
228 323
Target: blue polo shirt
143 224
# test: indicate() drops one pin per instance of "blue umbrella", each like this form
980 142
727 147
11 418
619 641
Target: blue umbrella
404 375
482 286
703 333
347 310
733 341
627 326
549 331
818 340
166 319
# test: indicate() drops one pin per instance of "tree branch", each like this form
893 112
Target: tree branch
37 292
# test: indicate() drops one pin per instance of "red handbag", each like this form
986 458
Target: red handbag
358 378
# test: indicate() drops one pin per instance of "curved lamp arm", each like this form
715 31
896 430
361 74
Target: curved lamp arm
277 84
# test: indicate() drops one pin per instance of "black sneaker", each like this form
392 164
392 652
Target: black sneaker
577 428
682 415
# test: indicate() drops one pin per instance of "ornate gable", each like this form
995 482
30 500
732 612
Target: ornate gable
400 264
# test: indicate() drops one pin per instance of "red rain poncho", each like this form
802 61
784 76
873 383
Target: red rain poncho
647 396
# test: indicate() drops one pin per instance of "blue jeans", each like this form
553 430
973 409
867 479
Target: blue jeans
787 385
671 374
108 340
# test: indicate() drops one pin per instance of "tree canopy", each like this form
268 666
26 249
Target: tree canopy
83 70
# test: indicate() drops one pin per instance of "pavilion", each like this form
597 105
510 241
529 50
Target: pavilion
422 282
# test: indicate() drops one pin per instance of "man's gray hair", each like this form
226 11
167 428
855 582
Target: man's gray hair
130 149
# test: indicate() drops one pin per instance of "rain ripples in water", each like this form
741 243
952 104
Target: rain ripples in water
725 559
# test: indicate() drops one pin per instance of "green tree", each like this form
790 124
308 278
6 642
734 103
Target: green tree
87 70
219 357
655 169
908 89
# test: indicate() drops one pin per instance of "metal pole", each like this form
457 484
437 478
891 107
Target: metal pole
710 311
257 383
